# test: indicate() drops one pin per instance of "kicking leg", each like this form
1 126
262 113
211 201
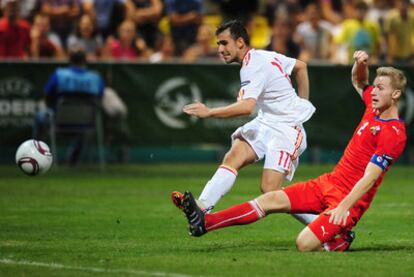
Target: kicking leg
223 180
272 180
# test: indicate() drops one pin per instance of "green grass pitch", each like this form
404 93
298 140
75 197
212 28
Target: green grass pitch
122 223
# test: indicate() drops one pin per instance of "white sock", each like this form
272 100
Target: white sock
219 185
305 218
257 208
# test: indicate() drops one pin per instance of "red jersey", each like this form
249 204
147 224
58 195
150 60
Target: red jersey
120 52
374 140
14 39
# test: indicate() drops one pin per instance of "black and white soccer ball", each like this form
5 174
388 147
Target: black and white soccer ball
33 157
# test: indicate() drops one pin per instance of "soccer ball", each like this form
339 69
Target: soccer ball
33 157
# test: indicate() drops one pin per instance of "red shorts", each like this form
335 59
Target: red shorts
316 196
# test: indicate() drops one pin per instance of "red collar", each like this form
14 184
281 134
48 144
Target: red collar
244 56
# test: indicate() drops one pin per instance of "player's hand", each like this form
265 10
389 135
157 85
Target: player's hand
361 57
197 109
338 216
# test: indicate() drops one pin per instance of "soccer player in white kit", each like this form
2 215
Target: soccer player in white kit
276 134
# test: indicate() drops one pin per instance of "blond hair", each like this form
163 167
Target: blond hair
397 77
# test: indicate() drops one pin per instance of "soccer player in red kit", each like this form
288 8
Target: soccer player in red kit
342 196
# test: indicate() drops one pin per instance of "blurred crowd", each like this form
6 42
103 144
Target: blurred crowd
315 31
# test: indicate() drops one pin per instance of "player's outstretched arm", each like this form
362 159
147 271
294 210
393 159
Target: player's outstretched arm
302 79
360 71
240 108
341 212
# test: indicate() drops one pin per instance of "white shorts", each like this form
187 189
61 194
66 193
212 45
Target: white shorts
280 145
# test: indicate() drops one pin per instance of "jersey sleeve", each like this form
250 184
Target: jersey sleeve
287 63
252 80
390 146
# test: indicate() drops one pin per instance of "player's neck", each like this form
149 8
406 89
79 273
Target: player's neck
390 113
243 54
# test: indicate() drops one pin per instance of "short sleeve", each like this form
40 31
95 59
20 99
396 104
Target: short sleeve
390 146
252 81
287 63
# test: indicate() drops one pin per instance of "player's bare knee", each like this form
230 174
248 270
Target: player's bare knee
303 245
307 241
273 201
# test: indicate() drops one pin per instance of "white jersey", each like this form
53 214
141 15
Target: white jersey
265 77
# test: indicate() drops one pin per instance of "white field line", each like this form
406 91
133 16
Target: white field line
93 269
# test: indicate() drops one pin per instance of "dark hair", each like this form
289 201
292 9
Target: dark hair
77 56
77 26
361 5
237 30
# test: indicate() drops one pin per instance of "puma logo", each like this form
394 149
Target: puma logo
323 231
396 130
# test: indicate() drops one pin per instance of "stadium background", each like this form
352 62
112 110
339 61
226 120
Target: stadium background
156 93
155 81
120 221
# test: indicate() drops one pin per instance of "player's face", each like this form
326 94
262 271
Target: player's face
383 93
228 48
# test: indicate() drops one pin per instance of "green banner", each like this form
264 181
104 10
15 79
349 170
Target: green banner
156 93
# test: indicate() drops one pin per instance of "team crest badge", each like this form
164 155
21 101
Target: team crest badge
375 129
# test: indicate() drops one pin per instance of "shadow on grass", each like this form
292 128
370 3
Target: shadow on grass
384 248
276 246
264 246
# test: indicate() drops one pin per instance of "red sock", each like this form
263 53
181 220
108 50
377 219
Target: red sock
244 213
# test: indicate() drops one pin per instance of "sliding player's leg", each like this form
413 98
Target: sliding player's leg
322 235
317 196
306 197
272 180
308 241
244 213
341 242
